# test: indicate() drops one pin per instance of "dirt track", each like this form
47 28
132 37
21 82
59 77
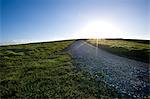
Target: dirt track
128 76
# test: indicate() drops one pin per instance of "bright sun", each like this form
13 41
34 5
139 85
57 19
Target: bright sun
98 29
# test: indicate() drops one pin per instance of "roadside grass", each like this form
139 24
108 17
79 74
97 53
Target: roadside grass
45 70
133 49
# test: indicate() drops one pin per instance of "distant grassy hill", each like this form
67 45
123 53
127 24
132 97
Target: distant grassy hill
45 70
130 48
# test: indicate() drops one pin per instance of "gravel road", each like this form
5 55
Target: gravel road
130 77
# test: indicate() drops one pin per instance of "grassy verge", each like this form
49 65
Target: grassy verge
133 49
44 70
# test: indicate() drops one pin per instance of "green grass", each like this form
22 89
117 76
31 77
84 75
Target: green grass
45 70
133 49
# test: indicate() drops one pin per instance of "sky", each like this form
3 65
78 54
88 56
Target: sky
47 20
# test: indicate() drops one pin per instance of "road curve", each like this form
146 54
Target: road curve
130 77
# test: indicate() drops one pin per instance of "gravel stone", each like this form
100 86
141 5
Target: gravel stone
127 75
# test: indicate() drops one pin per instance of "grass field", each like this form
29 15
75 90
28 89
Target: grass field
45 70
133 49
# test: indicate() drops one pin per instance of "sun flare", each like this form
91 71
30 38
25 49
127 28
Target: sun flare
99 29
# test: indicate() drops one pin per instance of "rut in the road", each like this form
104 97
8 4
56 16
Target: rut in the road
128 76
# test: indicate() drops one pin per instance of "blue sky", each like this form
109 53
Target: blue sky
46 20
